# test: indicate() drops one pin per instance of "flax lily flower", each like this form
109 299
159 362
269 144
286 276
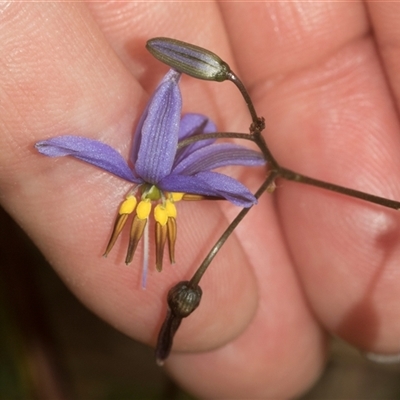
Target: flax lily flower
162 173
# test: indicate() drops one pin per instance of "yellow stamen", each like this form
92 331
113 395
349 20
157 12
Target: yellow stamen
165 215
161 214
170 209
143 209
161 236
196 197
128 205
177 196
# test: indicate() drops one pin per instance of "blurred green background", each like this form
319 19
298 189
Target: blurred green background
52 348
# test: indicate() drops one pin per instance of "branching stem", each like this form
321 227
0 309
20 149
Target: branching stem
191 290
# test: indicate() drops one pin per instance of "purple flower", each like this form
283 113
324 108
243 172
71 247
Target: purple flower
162 172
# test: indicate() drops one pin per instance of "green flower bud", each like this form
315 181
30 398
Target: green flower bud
188 58
183 299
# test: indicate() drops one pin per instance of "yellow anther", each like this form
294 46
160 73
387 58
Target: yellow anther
128 205
161 214
177 196
170 208
143 209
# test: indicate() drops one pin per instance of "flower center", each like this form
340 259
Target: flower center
151 192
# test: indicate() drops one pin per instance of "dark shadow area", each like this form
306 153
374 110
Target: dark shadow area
53 348
363 316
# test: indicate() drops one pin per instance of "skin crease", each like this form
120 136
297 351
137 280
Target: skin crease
304 262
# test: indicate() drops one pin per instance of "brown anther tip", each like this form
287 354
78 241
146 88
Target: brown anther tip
129 256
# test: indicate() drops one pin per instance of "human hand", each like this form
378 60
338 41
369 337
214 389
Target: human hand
301 264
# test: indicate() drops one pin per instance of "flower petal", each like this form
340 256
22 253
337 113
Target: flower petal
217 155
159 132
91 151
210 184
194 124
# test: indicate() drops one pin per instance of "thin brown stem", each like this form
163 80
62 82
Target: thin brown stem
233 78
294 176
217 246
215 135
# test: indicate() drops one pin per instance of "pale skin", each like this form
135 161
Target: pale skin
304 263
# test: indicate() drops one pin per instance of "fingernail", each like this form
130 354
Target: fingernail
383 358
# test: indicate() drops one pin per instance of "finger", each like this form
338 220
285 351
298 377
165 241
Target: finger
62 77
282 351
333 119
54 82
384 19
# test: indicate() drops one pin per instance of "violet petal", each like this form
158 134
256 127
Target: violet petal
91 151
194 124
137 137
218 155
159 132
210 184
